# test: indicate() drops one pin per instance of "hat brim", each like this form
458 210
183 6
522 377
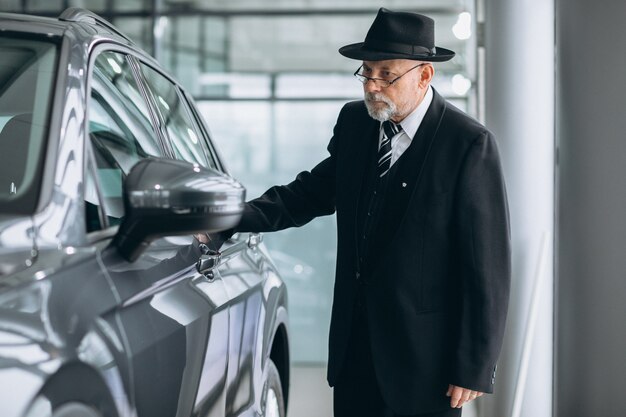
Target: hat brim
358 51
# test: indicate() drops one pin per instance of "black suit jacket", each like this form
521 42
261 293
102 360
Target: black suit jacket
437 289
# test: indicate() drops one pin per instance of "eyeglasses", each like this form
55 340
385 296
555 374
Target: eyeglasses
381 82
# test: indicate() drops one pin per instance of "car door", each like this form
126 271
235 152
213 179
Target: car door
238 267
174 319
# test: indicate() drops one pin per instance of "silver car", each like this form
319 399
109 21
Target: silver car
109 306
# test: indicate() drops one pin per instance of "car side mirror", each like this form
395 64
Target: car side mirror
165 197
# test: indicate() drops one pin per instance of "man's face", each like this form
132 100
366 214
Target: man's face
402 97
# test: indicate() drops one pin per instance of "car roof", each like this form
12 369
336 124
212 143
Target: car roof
34 24
84 25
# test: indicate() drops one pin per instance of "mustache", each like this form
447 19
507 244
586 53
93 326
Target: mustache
377 97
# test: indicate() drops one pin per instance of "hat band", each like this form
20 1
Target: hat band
399 48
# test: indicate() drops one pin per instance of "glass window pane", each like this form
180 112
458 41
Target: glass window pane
213 57
309 43
138 29
284 56
239 5
232 85
93 207
203 134
93 5
120 128
266 144
27 74
44 5
185 43
182 131
187 68
192 46
243 138
11 5
299 85
132 5
215 39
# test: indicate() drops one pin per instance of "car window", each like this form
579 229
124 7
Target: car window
94 214
181 128
27 74
120 129
204 134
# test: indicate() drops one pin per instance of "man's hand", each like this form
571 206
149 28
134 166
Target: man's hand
459 396
214 240
202 237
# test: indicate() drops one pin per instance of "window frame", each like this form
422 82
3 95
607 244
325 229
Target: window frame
108 230
198 128
204 132
91 170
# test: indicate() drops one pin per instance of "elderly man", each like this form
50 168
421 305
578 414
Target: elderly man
423 258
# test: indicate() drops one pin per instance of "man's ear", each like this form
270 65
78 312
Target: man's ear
427 75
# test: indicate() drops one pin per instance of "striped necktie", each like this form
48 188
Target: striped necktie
390 130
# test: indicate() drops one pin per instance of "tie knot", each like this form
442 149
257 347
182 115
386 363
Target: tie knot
390 128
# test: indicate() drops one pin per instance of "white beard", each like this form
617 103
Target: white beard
380 114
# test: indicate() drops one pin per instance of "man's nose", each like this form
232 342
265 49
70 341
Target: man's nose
371 86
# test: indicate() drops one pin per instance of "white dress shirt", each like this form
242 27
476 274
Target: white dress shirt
410 124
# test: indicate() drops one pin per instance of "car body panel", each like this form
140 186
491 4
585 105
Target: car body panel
80 323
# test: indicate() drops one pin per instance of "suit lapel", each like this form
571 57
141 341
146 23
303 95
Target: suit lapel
423 140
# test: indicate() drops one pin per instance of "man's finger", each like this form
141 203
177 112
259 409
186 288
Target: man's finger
465 395
459 396
455 395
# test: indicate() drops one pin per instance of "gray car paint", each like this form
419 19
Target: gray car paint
78 323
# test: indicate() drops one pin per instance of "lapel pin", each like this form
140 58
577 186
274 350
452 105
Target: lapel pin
404 185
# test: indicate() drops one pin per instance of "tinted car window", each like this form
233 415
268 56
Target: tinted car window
120 129
182 131
27 73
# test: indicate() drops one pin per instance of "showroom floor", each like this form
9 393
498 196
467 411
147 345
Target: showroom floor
311 396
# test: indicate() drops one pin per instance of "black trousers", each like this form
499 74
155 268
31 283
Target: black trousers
356 393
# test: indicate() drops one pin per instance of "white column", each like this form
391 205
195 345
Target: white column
519 99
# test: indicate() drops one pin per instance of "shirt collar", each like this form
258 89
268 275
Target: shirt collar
412 122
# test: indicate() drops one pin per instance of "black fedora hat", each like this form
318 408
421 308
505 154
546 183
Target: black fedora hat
398 35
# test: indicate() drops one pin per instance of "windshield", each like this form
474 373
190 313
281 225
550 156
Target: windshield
27 73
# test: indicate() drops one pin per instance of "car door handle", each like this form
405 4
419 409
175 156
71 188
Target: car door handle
208 261
254 240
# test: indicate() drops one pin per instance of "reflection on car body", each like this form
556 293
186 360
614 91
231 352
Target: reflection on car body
106 171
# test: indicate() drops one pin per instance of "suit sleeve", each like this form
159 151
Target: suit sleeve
485 265
310 195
